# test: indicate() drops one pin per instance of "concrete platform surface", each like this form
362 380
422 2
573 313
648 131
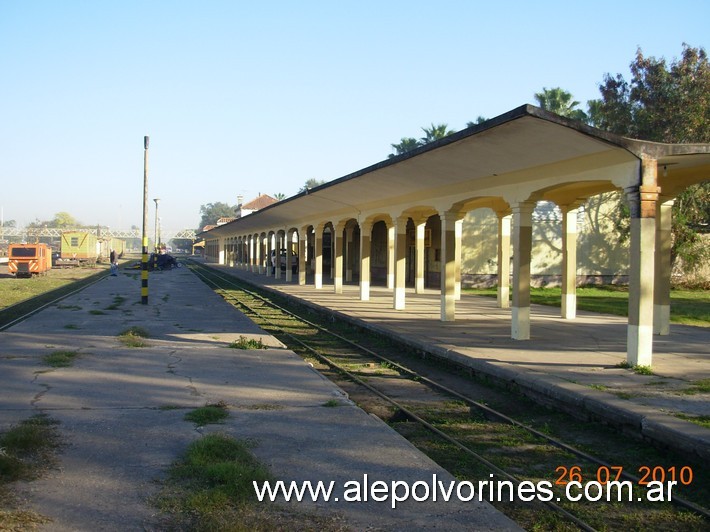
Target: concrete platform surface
121 410
570 363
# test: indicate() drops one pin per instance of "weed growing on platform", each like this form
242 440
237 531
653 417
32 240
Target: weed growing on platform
643 370
26 450
703 421
60 359
701 386
134 337
117 302
247 343
330 403
213 413
210 488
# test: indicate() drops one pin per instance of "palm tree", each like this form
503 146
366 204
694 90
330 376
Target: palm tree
279 196
560 102
479 120
435 133
406 144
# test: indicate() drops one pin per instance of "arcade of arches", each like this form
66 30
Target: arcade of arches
400 223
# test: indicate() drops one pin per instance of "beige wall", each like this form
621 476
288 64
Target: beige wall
602 256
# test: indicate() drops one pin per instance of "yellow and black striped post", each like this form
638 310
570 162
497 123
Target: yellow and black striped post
144 259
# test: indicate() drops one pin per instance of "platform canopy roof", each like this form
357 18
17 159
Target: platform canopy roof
507 150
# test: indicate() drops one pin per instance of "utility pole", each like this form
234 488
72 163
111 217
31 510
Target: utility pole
144 260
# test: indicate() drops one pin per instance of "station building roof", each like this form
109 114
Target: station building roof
508 154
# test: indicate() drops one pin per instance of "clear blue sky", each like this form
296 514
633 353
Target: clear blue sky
245 97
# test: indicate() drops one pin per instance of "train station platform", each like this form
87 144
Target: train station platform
574 365
121 411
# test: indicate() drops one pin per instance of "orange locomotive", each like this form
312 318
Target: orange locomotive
26 259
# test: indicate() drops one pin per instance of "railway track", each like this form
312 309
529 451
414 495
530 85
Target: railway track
478 431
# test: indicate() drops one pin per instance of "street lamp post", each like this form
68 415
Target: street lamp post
157 235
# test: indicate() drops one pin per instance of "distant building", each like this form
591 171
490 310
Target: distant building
261 201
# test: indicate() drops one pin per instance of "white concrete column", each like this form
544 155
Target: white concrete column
365 249
252 253
391 231
289 255
302 248
278 247
642 203
337 240
400 264
662 288
419 248
259 255
458 231
448 265
569 262
504 230
522 248
319 256
349 253
222 251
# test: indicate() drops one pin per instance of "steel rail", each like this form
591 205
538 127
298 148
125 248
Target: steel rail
679 501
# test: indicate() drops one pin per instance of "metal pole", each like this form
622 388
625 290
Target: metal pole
156 239
144 260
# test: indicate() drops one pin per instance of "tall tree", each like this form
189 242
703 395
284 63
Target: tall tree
560 102
311 183
212 212
435 132
479 120
665 103
405 144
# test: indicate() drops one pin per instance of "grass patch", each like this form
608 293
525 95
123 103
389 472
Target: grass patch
134 337
211 488
60 359
27 448
97 312
688 307
71 327
247 343
701 386
26 451
117 302
214 413
703 421
330 403
600 387
623 365
643 370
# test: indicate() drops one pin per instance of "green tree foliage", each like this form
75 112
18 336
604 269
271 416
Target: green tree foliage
665 103
214 211
434 133
560 102
479 120
405 144
62 220
280 196
312 183
431 134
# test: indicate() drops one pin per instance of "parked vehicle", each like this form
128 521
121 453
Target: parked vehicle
283 259
26 260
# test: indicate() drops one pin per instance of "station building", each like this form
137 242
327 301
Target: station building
400 222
